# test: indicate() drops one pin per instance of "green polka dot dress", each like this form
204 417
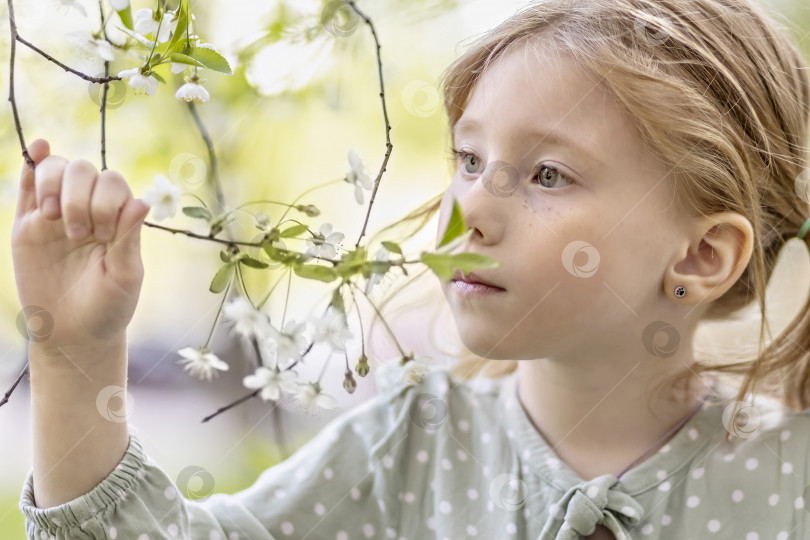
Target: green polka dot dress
453 459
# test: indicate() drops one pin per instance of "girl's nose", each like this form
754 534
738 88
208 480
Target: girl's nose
485 201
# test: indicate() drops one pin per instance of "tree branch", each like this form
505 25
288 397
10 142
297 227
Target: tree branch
388 144
60 64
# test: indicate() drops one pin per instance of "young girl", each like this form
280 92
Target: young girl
636 166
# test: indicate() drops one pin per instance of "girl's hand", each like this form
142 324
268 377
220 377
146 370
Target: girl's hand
87 283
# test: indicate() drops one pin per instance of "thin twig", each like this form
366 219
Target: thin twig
385 323
259 360
388 144
13 386
60 64
17 123
104 94
212 157
360 321
228 242
232 405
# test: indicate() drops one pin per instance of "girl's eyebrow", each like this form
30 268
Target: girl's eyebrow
548 137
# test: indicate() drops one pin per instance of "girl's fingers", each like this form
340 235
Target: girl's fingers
27 197
110 195
77 188
48 178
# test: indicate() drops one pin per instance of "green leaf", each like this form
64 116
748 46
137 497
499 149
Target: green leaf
393 247
224 257
283 256
126 17
456 225
247 260
315 271
182 25
197 212
294 231
222 278
212 60
444 265
180 58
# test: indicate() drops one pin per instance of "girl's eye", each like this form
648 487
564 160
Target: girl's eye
548 174
466 158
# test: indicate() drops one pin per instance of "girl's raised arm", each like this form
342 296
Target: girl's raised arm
90 476
75 245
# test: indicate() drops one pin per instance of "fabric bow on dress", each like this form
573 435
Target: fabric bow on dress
588 504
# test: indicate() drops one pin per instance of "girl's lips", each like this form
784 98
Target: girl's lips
474 278
466 288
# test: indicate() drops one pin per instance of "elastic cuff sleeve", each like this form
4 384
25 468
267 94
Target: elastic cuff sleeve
83 510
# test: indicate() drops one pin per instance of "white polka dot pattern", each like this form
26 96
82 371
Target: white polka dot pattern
483 472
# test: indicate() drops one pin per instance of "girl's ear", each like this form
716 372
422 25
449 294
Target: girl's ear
714 256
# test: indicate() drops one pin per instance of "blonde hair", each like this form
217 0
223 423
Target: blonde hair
722 96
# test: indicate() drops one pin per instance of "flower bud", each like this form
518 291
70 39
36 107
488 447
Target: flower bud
362 366
309 209
349 384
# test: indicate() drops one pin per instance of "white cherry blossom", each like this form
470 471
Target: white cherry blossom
322 245
201 362
142 84
192 91
94 46
331 329
146 24
287 343
272 382
163 197
382 254
310 396
358 176
248 321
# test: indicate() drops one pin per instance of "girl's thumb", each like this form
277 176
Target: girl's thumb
125 248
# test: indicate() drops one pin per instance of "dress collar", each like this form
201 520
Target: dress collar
605 499
665 463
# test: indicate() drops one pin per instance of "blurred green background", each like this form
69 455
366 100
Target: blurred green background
281 124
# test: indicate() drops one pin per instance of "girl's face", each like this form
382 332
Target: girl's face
559 190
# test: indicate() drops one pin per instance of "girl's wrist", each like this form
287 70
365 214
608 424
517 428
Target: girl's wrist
89 355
